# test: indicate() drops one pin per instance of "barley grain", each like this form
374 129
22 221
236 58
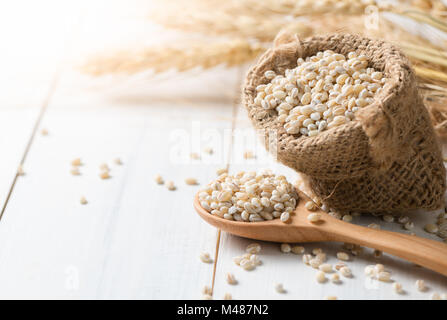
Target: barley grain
231 279
253 248
326 268
191 181
321 277
76 162
205 257
435 296
228 296
331 298
409 225
170 185
384 276
105 175
335 278
397 287
83 200
346 272
431 228
158 179
285 248
311 206
249 155
194 156
420 285
75 171
342 256
207 290
297 249
374 226
300 107
314 217
279 288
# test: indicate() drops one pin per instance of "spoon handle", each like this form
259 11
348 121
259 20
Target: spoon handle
424 252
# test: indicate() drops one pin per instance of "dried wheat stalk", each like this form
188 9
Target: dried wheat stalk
161 59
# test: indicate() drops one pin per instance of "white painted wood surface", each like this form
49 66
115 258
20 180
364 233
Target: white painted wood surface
135 239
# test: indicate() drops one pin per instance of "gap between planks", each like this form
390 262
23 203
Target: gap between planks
43 108
235 105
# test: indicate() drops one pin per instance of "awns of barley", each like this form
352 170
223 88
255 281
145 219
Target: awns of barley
161 59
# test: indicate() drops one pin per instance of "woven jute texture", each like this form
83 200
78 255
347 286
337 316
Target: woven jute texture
386 160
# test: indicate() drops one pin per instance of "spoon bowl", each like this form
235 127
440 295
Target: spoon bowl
428 253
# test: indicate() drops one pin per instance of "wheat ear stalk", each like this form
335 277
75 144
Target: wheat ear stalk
161 59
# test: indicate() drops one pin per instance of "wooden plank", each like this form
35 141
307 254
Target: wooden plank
134 239
31 52
299 279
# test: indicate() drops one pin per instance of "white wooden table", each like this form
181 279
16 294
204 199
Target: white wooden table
135 239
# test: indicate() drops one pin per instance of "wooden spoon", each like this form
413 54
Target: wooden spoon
427 253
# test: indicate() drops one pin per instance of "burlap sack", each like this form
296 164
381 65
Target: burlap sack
386 160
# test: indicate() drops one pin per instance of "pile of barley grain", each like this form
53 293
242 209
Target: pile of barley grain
251 197
323 91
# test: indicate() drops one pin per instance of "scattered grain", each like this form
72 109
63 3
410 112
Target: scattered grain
207 290
20 170
231 279
377 254
158 179
170 185
279 288
76 162
249 155
335 278
384 276
397 287
311 206
297 250
321 277
420 285
253 248
314 217
228 296
194 156
83 200
285 248
343 256
431 228
409 225
205 257
191 181
105 175
435 296
75 171
326 268
346 272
